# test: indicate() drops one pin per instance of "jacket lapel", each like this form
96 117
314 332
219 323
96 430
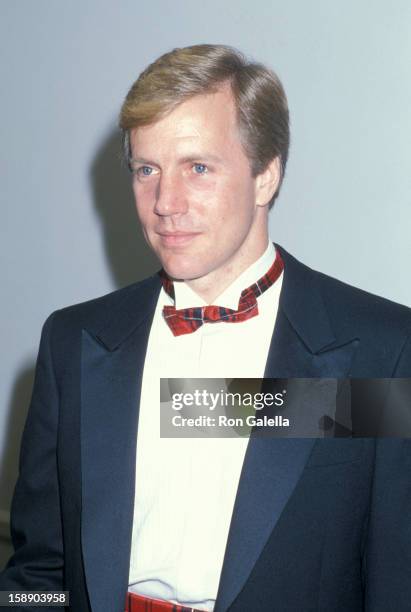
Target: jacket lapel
304 345
112 367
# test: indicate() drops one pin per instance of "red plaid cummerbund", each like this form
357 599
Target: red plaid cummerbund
139 603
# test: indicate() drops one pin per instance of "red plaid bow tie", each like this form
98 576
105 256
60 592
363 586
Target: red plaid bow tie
187 320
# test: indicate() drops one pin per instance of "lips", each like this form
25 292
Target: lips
177 238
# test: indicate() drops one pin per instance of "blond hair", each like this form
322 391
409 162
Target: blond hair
262 109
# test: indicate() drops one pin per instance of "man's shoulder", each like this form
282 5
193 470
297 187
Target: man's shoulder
361 303
96 313
345 304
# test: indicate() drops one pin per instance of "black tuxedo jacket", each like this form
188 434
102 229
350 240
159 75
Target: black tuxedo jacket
318 525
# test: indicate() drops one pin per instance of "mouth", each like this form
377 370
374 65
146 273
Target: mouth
177 238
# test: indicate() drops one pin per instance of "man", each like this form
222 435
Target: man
101 507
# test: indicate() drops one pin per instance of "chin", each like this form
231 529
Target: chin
181 274
182 271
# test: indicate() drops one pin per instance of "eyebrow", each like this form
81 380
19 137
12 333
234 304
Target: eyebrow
183 160
201 156
141 160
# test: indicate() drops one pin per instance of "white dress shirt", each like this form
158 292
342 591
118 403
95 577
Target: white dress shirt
186 488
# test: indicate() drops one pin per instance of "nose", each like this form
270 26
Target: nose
170 196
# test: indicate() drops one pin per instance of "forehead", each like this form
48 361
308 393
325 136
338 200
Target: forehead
203 119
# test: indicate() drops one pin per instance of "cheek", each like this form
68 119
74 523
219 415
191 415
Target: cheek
144 196
211 197
201 195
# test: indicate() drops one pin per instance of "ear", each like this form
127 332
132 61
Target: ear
267 182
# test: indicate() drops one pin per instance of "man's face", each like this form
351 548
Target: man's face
194 192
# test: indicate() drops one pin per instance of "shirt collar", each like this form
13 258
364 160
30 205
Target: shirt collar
185 297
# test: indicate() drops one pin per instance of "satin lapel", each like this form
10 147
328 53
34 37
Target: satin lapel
112 367
303 346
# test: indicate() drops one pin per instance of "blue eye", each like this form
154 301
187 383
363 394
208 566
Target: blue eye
143 171
200 168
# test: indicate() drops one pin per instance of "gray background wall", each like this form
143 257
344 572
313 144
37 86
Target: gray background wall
68 230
